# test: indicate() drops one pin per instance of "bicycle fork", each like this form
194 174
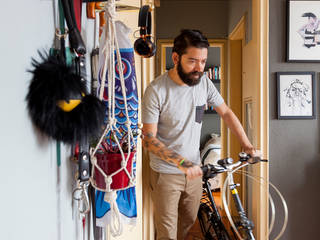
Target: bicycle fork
246 224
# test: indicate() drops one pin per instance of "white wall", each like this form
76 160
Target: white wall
32 204
29 199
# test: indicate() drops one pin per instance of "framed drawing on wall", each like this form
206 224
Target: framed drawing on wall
296 95
303 31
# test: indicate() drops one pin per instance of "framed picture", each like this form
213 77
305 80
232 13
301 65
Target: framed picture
303 31
296 95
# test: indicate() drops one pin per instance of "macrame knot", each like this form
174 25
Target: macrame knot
93 159
133 181
108 181
110 197
112 121
128 123
110 10
123 164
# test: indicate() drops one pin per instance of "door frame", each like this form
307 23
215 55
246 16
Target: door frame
260 100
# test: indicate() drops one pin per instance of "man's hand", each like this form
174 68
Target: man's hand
193 172
253 152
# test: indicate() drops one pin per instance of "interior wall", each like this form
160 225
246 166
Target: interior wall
237 9
211 17
32 205
294 144
217 17
36 199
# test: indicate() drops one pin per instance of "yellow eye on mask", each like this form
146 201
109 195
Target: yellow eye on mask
68 106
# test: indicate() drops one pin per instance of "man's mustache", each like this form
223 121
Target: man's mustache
197 73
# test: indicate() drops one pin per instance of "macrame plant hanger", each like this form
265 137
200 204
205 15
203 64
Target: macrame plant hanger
109 50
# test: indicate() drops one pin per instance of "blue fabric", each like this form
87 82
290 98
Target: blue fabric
126 201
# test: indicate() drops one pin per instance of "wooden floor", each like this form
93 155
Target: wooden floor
195 231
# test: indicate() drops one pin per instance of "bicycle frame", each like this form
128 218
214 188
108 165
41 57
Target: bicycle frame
241 226
215 217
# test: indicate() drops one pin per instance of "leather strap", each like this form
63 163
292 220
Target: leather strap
77 6
76 41
144 21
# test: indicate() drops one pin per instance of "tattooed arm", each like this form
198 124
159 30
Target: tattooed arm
154 145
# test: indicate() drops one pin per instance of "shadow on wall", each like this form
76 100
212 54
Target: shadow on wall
300 197
301 201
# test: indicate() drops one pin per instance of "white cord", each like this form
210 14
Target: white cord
110 47
115 224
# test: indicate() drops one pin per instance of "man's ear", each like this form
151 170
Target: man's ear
175 58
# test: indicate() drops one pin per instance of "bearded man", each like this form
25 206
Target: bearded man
172 109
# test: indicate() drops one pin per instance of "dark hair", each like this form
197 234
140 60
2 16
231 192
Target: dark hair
189 38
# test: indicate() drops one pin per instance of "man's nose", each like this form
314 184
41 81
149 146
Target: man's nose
198 67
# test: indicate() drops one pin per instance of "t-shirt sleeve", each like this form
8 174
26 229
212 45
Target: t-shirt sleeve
214 97
150 106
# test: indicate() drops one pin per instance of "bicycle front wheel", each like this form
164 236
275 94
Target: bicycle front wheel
212 229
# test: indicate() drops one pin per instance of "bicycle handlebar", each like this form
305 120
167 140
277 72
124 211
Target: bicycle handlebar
225 161
210 170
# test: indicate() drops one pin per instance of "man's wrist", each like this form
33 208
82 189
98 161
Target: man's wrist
249 149
185 163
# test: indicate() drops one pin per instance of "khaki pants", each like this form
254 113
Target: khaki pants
176 202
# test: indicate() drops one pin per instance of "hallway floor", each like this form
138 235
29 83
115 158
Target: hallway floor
195 231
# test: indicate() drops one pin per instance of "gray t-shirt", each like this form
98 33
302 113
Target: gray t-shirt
178 111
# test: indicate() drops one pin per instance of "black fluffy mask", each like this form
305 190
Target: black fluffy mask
54 81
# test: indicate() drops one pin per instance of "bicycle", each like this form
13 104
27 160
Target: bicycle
209 217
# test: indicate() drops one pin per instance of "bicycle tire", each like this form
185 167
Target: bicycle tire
207 228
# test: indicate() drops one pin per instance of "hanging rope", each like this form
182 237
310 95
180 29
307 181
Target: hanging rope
112 46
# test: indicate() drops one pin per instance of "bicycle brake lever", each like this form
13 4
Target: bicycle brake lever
256 160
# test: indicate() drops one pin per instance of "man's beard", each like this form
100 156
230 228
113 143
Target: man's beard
192 78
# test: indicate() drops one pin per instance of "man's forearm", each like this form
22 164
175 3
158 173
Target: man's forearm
236 128
154 145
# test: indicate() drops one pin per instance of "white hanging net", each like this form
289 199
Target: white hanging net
111 52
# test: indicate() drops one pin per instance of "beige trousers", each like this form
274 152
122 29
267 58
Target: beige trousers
176 201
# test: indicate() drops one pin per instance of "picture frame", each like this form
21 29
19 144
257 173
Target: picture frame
303 31
296 95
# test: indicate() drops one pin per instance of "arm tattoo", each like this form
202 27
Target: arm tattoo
158 148
149 134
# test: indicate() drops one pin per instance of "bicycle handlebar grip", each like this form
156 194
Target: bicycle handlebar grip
204 169
208 171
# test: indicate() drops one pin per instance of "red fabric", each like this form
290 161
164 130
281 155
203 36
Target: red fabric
111 162
77 4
